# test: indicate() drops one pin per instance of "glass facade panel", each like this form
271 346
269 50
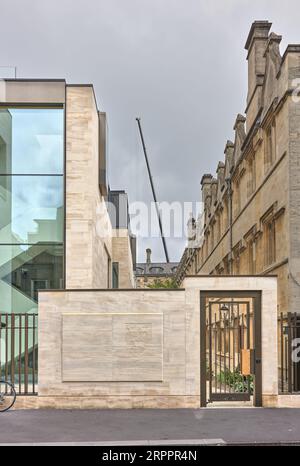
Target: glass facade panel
26 269
31 141
31 205
31 209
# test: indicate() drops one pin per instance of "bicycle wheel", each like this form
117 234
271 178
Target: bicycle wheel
7 396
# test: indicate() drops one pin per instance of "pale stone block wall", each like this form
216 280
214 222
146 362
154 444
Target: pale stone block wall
88 228
137 348
32 91
122 254
129 342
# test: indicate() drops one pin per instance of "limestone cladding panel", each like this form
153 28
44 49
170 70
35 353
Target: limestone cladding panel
41 92
121 251
169 320
171 304
88 229
112 347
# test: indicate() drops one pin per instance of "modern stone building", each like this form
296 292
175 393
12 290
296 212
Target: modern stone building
252 206
55 227
55 230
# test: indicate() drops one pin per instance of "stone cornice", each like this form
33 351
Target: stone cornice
291 48
256 26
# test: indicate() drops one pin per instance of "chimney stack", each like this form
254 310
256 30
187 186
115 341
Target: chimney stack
256 46
148 256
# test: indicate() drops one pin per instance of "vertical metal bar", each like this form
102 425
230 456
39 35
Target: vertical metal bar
248 325
248 342
12 350
203 372
234 335
210 349
6 347
290 353
33 355
224 357
242 332
297 364
20 354
281 350
229 340
258 351
295 378
215 355
238 338
1 346
26 356
220 349
286 357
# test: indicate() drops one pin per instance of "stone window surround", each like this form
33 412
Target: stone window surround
255 232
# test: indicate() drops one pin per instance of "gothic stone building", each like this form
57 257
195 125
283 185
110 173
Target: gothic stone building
153 274
252 207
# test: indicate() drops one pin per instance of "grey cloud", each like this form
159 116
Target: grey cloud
180 65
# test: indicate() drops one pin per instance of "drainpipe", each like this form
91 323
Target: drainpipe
228 181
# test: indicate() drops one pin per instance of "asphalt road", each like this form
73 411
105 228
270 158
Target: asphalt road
229 425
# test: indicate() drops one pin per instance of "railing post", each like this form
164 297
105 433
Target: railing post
290 381
281 352
26 355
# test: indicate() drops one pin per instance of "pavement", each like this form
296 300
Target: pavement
206 426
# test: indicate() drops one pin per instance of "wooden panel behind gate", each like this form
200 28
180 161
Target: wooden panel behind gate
230 347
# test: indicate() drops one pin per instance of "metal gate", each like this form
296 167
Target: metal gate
230 347
289 362
19 351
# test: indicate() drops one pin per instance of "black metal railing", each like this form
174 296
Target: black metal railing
289 353
19 351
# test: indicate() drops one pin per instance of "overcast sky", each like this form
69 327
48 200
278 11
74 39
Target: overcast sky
179 64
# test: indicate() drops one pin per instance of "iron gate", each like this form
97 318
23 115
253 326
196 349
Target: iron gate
19 351
289 363
230 347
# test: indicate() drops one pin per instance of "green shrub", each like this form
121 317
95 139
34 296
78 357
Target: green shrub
236 380
159 284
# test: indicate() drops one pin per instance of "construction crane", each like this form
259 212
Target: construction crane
153 190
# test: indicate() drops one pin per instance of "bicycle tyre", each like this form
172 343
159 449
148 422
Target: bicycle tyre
8 388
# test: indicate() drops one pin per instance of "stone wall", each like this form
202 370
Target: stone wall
122 255
88 228
294 199
138 348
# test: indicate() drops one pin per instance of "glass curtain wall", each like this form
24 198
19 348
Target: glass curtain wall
31 205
